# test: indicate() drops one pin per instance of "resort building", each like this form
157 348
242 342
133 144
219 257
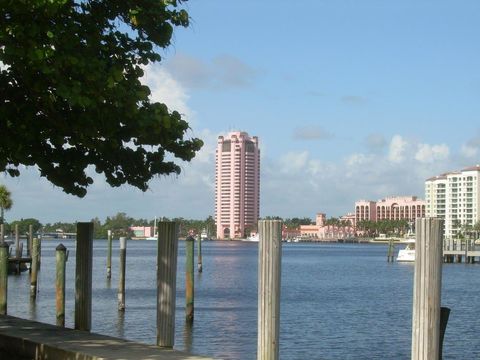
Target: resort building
365 210
391 208
237 185
454 197
321 231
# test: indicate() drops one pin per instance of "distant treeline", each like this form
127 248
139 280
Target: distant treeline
119 224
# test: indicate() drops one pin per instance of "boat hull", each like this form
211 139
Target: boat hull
406 256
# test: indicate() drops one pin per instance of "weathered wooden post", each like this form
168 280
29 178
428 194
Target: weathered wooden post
3 277
109 254
29 240
121 281
17 243
39 260
390 251
83 276
269 281
427 289
61 259
34 268
199 255
189 280
166 282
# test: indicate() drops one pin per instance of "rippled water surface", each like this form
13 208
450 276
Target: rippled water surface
338 301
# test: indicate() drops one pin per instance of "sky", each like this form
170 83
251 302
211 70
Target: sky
350 100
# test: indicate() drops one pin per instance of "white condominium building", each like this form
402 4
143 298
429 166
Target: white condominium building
455 197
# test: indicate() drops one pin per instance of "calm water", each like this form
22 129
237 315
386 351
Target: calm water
338 301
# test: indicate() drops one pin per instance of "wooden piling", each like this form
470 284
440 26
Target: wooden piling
167 250
109 254
39 260
17 242
199 254
29 240
3 277
61 259
83 276
427 289
122 268
189 280
269 282
34 268
390 251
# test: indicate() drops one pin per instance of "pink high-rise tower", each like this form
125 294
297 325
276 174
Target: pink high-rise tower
237 185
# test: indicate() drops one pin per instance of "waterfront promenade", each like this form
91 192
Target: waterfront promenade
26 339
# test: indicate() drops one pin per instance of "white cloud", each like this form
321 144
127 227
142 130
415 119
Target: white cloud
358 160
294 162
165 89
397 149
429 153
303 183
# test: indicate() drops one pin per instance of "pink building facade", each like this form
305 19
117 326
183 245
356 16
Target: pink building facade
237 185
391 208
141 231
321 231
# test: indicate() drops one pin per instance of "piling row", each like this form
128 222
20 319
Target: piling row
269 280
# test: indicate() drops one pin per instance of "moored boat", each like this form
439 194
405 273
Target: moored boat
407 254
253 238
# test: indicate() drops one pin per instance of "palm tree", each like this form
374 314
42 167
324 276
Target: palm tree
5 201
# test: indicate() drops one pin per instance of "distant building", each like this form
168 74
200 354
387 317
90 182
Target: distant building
454 197
141 231
237 185
321 231
391 208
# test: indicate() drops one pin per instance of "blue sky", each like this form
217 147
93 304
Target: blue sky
350 100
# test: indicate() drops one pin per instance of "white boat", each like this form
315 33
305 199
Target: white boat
407 254
155 234
253 238
204 235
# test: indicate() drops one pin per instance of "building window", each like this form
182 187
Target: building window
227 146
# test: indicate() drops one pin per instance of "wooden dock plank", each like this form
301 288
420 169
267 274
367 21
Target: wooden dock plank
33 340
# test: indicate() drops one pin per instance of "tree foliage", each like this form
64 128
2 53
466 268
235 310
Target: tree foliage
389 227
24 225
71 93
6 201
